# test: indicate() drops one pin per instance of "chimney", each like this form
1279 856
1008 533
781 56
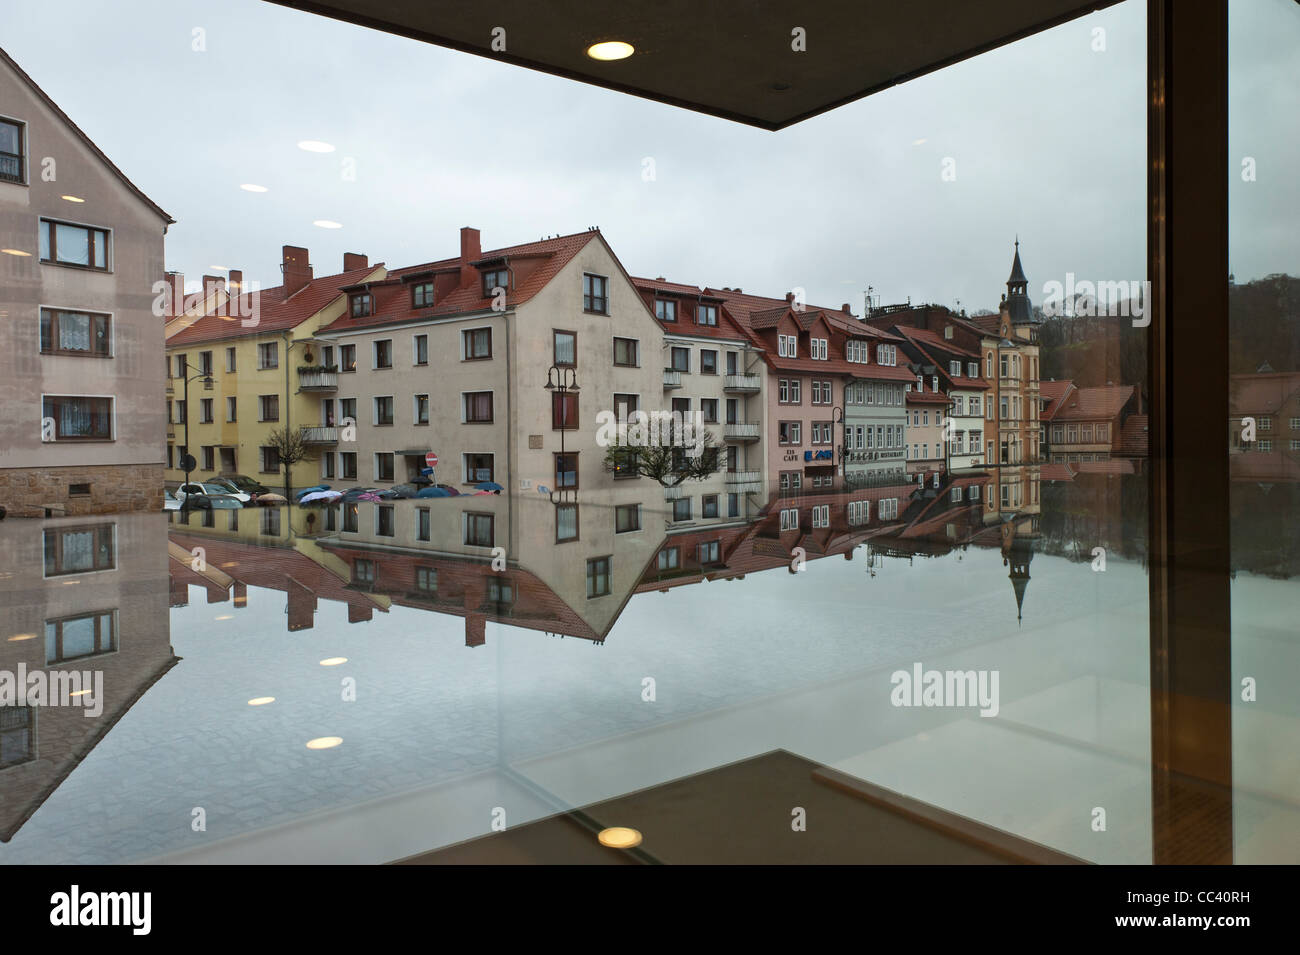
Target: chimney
470 250
354 260
845 309
235 285
210 284
296 269
475 630
789 297
176 293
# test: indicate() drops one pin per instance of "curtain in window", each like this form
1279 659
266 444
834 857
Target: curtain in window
478 406
74 331
566 521
73 243
78 550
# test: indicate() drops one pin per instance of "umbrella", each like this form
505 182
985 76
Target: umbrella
432 492
368 496
405 490
489 486
311 490
269 498
478 493
421 479
319 496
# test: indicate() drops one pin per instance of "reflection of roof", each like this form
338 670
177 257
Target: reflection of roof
1262 393
1052 392
1135 436
1105 402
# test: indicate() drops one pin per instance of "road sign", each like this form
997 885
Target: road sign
431 459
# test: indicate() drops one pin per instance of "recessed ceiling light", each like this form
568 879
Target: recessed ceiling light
218 268
315 146
261 700
324 742
252 187
26 255
73 198
610 50
619 837
22 636
327 224
333 661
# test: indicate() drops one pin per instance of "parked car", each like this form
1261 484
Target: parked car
205 502
170 501
243 483
211 488
234 489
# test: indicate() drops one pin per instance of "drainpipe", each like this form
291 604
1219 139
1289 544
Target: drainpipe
288 495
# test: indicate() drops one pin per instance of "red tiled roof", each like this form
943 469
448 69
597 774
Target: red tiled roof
727 328
1057 471
924 346
275 311
1083 404
1053 392
927 398
1135 436
1262 393
934 341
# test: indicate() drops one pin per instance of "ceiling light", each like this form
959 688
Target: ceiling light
919 142
315 146
27 255
619 837
261 700
324 742
73 198
327 224
333 661
22 636
252 187
610 50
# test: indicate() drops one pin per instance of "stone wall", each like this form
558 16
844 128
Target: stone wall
28 492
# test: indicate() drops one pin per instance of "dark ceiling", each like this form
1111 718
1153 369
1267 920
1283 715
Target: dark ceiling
729 58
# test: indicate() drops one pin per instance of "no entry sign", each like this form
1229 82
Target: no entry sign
431 459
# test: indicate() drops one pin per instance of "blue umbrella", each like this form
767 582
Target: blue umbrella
310 490
489 486
433 492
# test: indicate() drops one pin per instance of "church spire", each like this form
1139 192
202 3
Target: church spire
1017 301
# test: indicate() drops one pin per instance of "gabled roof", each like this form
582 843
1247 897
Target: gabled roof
727 328
927 342
393 304
276 312
1090 404
1135 436
1263 392
1053 392
90 144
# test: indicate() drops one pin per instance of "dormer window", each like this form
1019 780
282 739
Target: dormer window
887 354
362 304
665 310
495 279
820 349
12 158
972 369
954 368
920 383
706 315
422 295
787 346
934 383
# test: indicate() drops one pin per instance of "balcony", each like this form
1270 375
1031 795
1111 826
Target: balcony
672 379
745 482
746 384
318 380
171 389
743 431
674 493
320 435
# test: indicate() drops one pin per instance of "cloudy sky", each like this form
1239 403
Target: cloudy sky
1047 138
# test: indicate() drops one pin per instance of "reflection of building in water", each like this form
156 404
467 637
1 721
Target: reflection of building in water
1271 400
80 594
1084 425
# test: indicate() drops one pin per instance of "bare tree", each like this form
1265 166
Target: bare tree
291 447
670 465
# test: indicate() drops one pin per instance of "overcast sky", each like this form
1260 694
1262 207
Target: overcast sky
1047 137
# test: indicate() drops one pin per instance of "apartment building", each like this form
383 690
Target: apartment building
500 363
250 366
713 368
80 249
955 371
1082 425
924 435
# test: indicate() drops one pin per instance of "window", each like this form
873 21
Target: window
384 466
17 735
733 411
230 359
360 304
682 509
83 246
479 467
1265 422
363 571
383 353
681 358
627 517
625 405
495 279
75 550
1002 366
1265 444
268 356
347 358
706 315
270 459
665 310
787 346
268 407
820 349
566 349
708 361
974 405
887 354
422 295
209 457
669 558
789 518
384 520
205 411
327 464
350 517
426 578
348 409
709 410
821 393
859 512
709 505
500 590
821 516
627 352
76 333
422 529
788 391
1295 424
12 152
421 409
476 344
476 406
733 505
383 410
710 552
566 522
788 432
78 418
598 583
564 411
566 470
595 294
420 347
478 529
85 635
348 465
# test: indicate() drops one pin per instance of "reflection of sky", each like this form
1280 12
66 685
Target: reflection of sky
429 709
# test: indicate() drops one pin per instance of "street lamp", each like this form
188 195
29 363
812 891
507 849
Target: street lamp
187 461
561 380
